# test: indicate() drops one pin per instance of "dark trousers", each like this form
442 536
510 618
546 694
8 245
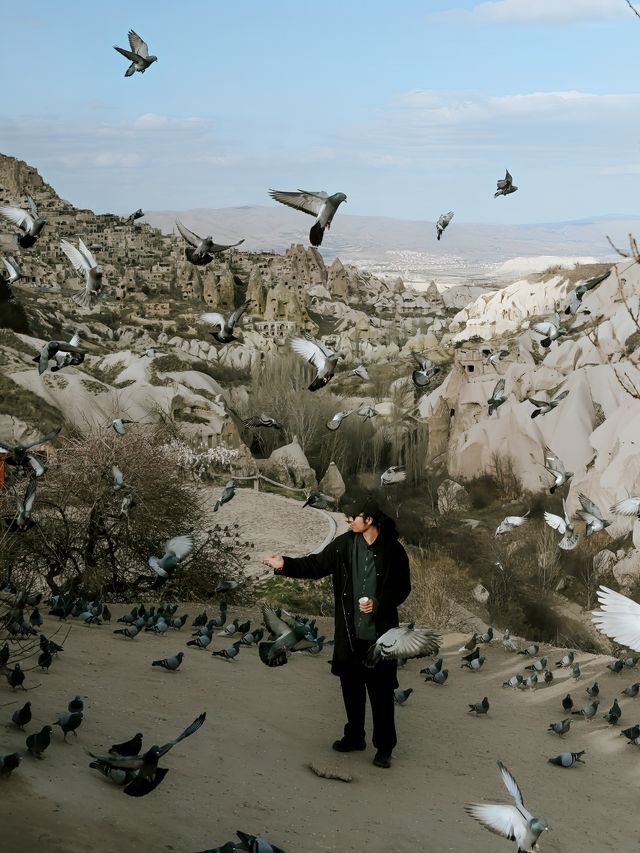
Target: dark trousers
379 683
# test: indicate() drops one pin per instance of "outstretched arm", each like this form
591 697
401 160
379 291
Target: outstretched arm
313 566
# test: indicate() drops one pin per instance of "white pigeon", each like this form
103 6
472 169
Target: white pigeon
628 506
550 330
564 527
360 371
507 642
554 466
513 822
318 204
118 479
394 474
337 419
510 522
13 269
618 618
89 269
405 641
321 356
30 223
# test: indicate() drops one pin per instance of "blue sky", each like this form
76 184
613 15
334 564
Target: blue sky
410 108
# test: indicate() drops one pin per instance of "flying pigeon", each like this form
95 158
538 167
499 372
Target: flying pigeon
628 506
88 268
618 618
202 249
576 295
30 223
319 501
564 527
543 407
337 419
22 520
66 358
360 371
137 214
394 474
322 357
13 270
498 396
261 420
426 370
118 424
550 330
510 522
592 515
138 56
52 349
567 759
175 550
224 332
19 456
505 186
318 204
512 822
289 633
442 223
494 356
227 494
554 466
405 641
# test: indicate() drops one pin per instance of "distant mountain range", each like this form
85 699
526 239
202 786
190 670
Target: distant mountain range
409 247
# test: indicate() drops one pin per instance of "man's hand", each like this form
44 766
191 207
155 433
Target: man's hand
275 561
367 606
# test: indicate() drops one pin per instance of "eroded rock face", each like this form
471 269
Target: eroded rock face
332 483
289 465
452 497
627 570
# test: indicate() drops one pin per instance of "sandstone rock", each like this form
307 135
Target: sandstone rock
627 570
603 562
288 465
332 483
452 497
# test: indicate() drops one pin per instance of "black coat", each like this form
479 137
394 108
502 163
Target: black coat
393 585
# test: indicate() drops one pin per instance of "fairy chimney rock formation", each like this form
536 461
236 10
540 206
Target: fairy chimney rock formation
332 483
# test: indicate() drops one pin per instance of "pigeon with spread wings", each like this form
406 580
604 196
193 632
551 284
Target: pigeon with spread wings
138 56
405 641
592 515
550 330
425 372
29 222
225 327
18 454
564 526
618 618
505 186
322 357
498 396
288 632
576 295
554 466
202 249
318 204
88 268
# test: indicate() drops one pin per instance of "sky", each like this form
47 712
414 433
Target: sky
411 108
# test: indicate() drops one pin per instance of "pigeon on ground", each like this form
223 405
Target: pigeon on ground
13 270
18 454
88 268
515 680
171 663
229 653
319 501
118 424
566 660
425 372
589 711
616 666
538 665
487 636
507 642
480 707
130 631
554 466
255 844
76 704
567 703
550 330
405 641
69 722
434 667
201 250
474 655
567 759
22 716
128 747
511 522
52 350
531 651
591 514
543 407
475 664
628 507
575 671
498 396
576 295
360 371
443 221
470 645
261 421
15 677
512 822
593 690
613 714
439 677
564 526
9 762
225 327
394 474
631 733
289 633
401 695
560 728
38 742
201 641
318 204
149 774
30 223
337 419
505 186
632 691
138 56
175 550
117 481
227 494
118 777
494 356
321 356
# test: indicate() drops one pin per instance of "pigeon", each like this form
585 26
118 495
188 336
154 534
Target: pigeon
560 728
360 371
15 677
616 666
69 722
566 660
118 777
515 680
224 332
138 56
405 641
567 703
475 664
30 223
538 665
512 822
474 655
261 421
201 250
38 742
425 372
88 268
511 522
149 774
171 663
593 690
487 636
337 419
318 501
498 396
175 550
442 223
632 691
507 642
255 844
567 759
318 204
439 677
22 716
137 214
554 466
117 482
531 651
505 186
494 356
480 707
400 696
575 671
129 747
76 704
22 519
19 456
130 631
576 295
563 526
470 645
118 424
289 633
589 711
229 653
434 667
628 507
618 618
227 494
591 514
367 412
543 407
52 350
13 270
66 358
201 642
394 474
631 733
9 762
613 714
550 330
322 357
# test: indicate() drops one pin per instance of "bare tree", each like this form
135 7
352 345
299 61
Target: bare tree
548 562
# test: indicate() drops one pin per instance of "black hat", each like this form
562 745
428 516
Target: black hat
366 507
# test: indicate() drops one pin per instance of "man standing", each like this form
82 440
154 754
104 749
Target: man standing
370 572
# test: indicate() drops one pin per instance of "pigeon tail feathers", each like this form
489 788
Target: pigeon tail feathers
316 234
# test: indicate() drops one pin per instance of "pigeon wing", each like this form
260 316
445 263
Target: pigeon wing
220 247
498 391
18 216
618 618
273 622
562 395
189 236
30 496
589 507
552 461
235 316
556 522
500 819
543 328
629 506
423 362
308 202
75 340
45 438
138 45
32 207
213 319
87 254
397 643
76 257
538 403
179 545
191 729
511 785
309 350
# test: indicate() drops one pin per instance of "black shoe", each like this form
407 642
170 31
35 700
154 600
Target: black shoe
382 759
346 745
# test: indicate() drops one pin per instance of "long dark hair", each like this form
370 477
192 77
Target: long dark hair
369 508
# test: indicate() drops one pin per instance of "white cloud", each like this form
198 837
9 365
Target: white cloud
153 121
535 12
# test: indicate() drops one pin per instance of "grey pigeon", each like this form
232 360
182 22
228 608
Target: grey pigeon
367 412
474 665
531 651
22 519
511 522
513 822
555 467
318 204
480 708
288 633
321 356
515 680
589 711
201 642
530 682
631 732
88 268
22 716
225 327
487 636
616 666
201 250
9 762
550 330
406 641
394 474
117 776
69 722
562 523
68 358
439 677
560 728
474 655
229 653
360 371
547 676
38 742
494 356
52 349
317 500
227 494
256 844
498 396
567 702
505 186
130 631
632 691
137 214
566 660
543 407
29 222
628 507
261 421
583 287
13 270
594 690
575 671
337 419
538 665
425 371
613 714
171 663
175 550
567 759
138 56
401 695
117 482
591 514
442 223
434 667
118 424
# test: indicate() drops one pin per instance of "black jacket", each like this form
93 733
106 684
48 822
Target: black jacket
392 587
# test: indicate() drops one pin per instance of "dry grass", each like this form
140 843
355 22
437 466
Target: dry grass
435 585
